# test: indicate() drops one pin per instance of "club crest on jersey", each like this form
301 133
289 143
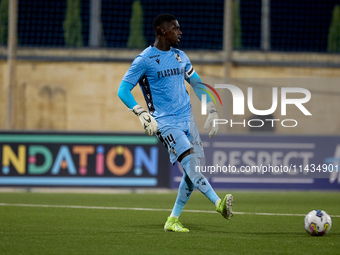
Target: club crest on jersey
178 58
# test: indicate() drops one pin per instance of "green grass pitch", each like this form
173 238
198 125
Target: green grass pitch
95 229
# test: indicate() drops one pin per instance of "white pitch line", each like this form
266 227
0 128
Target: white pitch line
149 209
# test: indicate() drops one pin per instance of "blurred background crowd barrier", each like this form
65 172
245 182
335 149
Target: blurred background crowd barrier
269 25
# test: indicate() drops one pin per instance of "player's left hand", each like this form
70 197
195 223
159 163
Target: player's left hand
210 121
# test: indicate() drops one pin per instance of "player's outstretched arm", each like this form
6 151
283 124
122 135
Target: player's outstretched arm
148 122
199 89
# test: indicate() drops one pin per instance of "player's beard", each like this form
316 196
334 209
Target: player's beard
175 44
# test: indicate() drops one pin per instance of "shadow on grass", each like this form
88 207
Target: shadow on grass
218 230
282 234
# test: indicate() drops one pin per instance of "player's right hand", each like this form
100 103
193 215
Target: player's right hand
148 122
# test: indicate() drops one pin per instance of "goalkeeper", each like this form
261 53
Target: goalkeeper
160 71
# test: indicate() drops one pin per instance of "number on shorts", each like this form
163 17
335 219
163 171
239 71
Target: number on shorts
169 139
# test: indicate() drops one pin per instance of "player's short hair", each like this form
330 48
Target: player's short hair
161 18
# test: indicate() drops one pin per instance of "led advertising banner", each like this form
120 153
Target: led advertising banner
82 159
269 161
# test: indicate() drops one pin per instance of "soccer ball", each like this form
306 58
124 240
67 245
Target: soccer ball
317 223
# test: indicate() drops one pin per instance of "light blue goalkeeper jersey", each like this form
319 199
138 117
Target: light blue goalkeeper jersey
161 76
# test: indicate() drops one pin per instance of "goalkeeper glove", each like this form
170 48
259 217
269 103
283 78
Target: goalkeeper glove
210 121
149 123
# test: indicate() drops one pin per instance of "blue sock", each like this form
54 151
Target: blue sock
189 164
184 192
